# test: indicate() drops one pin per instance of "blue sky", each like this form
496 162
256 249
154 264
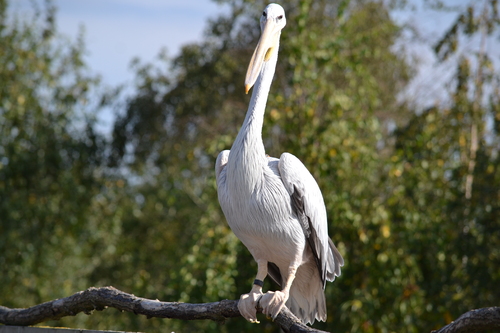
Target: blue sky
118 30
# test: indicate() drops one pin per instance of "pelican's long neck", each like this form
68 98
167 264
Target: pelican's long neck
250 134
248 156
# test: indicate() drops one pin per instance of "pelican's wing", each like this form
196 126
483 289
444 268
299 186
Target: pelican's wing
220 163
307 202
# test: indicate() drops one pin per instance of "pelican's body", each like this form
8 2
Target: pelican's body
274 206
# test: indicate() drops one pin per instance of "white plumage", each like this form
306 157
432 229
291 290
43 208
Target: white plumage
274 206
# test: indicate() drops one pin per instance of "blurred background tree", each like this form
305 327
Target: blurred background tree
413 209
50 162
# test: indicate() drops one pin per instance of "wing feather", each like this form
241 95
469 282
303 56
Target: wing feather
307 202
274 272
220 163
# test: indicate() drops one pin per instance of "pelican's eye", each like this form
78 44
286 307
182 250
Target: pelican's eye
280 17
264 14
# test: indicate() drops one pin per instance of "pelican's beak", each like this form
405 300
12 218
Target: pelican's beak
263 51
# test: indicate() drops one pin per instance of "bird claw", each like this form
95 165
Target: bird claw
272 302
247 306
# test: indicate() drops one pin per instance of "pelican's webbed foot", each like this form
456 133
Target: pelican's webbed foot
272 302
247 305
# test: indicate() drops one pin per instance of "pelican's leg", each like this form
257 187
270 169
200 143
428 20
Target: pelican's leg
273 301
247 304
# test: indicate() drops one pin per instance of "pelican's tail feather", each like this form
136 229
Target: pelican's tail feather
307 297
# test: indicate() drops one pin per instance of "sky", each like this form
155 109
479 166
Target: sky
116 31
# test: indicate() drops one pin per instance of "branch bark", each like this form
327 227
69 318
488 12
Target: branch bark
101 298
474 321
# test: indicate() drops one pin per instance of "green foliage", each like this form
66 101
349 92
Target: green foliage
413 211
446 173
50 158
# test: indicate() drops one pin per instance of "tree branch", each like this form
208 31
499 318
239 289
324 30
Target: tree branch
474 321
102 298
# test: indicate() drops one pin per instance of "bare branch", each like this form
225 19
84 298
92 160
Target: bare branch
474 321
102 298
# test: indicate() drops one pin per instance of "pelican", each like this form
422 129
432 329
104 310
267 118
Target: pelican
274 206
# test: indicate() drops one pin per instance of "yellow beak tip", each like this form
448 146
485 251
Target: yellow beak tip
247 88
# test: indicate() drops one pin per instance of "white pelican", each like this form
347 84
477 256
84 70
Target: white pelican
274 206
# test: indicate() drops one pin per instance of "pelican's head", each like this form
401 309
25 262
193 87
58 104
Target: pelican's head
272 22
